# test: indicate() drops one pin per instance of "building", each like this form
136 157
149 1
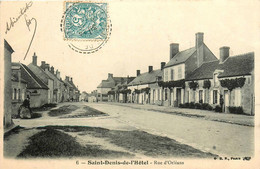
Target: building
43 76
57 84
36 89
7 85
231 78
107 85
73 92
120 93
144 88
180 65
19 88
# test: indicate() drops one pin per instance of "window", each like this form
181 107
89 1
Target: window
201 96
159 94
215 79
215 96
179 72
188 97
166 75
249 80
172 74
15 94
19 94
165 94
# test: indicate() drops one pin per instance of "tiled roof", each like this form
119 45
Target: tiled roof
205 71
181 57
40 73
106 84
147 78
33 82
237 65
234 66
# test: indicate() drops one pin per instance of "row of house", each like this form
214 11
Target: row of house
192 75
39 82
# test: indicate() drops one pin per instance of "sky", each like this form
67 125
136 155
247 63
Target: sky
141 34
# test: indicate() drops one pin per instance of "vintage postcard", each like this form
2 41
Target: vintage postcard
130 84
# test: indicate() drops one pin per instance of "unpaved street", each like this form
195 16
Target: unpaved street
126 123
216 137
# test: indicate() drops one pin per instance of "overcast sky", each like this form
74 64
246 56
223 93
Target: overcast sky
142 32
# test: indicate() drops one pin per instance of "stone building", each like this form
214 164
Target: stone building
240 90
180 65
7 85
145 89
39 71
19 89
107 85
37 90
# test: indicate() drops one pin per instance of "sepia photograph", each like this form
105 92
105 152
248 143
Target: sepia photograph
129 84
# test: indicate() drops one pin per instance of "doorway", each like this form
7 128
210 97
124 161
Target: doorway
178 96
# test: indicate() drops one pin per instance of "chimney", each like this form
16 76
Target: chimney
199 49
34 59
47 66
52 70
110 75
138 73
57 74
162 65
224 53
174 49
150 69
199 39
71 79
43 65
67 78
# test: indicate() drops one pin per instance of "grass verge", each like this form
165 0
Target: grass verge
88 112
62 110
45 107
140 142
53 143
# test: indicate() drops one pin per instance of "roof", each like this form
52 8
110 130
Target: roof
40 72
239 65
116 81
106 84
33 82
181 57
147 78
8 46
205 71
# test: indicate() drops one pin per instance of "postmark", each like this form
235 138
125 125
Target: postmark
86 26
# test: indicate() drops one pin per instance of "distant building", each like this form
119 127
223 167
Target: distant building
144 88
107 85
74 92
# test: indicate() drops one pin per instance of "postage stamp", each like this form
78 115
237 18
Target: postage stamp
86 26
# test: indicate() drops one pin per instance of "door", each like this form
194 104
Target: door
226 100
178 96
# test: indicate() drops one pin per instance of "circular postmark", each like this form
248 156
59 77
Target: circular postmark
86 26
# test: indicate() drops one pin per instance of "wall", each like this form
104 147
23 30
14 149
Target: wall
175 69
7 87
16 102
38 99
